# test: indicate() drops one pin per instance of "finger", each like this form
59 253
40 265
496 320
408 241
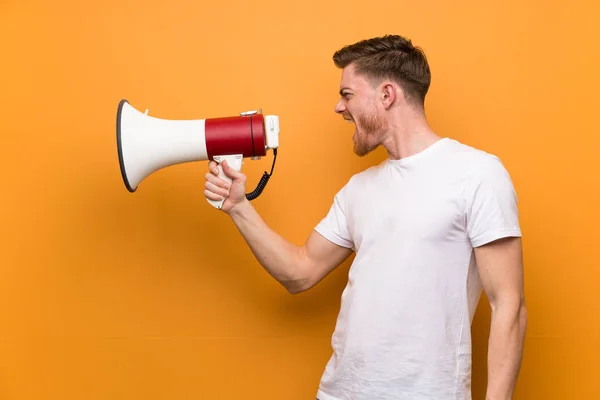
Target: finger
230 172
213 167
211 196
215 180
216 190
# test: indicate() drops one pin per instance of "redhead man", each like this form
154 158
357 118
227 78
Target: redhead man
431 226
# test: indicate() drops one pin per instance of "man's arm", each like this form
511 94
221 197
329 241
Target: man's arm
500 266
297 268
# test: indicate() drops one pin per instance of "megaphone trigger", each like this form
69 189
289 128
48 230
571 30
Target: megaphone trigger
233 161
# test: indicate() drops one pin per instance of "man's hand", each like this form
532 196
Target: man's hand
216 188
500 266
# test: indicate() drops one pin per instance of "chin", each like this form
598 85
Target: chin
362 153
361 150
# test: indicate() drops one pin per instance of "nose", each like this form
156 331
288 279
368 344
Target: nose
340 107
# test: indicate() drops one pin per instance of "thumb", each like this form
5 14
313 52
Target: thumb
230 172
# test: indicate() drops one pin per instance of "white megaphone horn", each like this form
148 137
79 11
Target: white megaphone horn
146 144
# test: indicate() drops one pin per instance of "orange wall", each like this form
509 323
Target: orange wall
154 295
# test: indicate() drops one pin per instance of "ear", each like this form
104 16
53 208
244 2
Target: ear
388 94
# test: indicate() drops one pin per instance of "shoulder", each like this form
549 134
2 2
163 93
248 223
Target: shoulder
470 154
478 164
488 184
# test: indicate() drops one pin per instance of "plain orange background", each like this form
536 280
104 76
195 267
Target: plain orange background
106 294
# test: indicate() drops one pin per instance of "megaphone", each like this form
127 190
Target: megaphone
146 144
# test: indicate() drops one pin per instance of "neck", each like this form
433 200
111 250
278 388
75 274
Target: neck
408 134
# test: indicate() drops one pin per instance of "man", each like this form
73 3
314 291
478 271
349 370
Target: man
431 226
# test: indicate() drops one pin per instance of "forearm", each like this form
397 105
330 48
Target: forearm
280 258
505 351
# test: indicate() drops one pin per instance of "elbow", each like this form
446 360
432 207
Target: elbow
514 309
299 282
297 286
523 316
295 289
299 278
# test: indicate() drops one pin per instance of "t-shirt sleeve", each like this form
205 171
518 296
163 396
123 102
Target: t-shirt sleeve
334 226
492 211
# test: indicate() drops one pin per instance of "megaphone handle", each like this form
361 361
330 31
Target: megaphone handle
234 161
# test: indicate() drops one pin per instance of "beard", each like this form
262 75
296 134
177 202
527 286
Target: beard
368 137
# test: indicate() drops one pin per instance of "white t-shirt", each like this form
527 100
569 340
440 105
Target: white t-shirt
403 331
